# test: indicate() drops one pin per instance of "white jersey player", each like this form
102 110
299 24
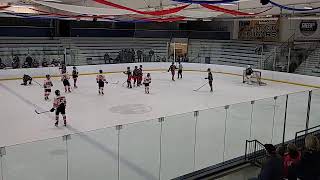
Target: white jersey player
146 82
47 85
101 79
59 105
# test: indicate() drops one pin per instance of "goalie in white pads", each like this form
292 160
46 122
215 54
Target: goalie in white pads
59 105
47 87
248 74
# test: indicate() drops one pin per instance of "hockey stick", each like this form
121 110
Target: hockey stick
37 83
200 87
41 112
117 82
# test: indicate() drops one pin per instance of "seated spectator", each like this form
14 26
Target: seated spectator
55 62
309 166
44 63
2 66
291 159
29 61
281 150
272 169
15 62
35 63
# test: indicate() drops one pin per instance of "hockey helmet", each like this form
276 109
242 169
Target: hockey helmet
57 92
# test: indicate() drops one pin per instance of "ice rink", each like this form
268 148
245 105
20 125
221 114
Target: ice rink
87 111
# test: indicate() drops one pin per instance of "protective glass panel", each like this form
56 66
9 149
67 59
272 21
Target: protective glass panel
177 145
94 155
210 137
277 130
315 109
38 160
296 114
140 151
237 129
263 120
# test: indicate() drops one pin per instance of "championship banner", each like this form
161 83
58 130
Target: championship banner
307 29
259 30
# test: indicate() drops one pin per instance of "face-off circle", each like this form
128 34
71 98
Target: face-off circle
131 109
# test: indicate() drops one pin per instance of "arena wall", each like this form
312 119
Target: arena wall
303 80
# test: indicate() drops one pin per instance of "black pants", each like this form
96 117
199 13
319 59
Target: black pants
179 74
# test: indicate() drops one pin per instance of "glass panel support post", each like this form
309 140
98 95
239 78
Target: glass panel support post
285 120
308 111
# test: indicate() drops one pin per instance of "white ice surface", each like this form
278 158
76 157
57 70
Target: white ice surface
86 110
141 146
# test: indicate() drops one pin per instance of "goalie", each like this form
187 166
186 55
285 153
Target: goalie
248 75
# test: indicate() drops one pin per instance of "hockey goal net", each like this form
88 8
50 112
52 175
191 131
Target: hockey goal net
255 77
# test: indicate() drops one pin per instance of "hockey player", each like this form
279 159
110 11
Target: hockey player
129 74
146 82
26 78
59 105
65 79
47 87
248 74
172 68
136 76
140 75
180 67
210 79
101 79
75 75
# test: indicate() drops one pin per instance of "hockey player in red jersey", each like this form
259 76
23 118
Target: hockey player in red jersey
136 76
65 79
172 68
129 74
47 87
140 75
101 79
59 105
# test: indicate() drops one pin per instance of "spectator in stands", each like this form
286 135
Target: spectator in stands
139 54
28 61
107 58
291 160
55 62
133 55
309 166
2 66
151 55
15 62
281 150
44 63
273 167
35 63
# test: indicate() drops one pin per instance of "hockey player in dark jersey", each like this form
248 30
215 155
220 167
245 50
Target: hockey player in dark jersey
129 74
172 69
59 105
65 80
75 75
47 87
135 76
140 75
210 79
26 80
101 79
